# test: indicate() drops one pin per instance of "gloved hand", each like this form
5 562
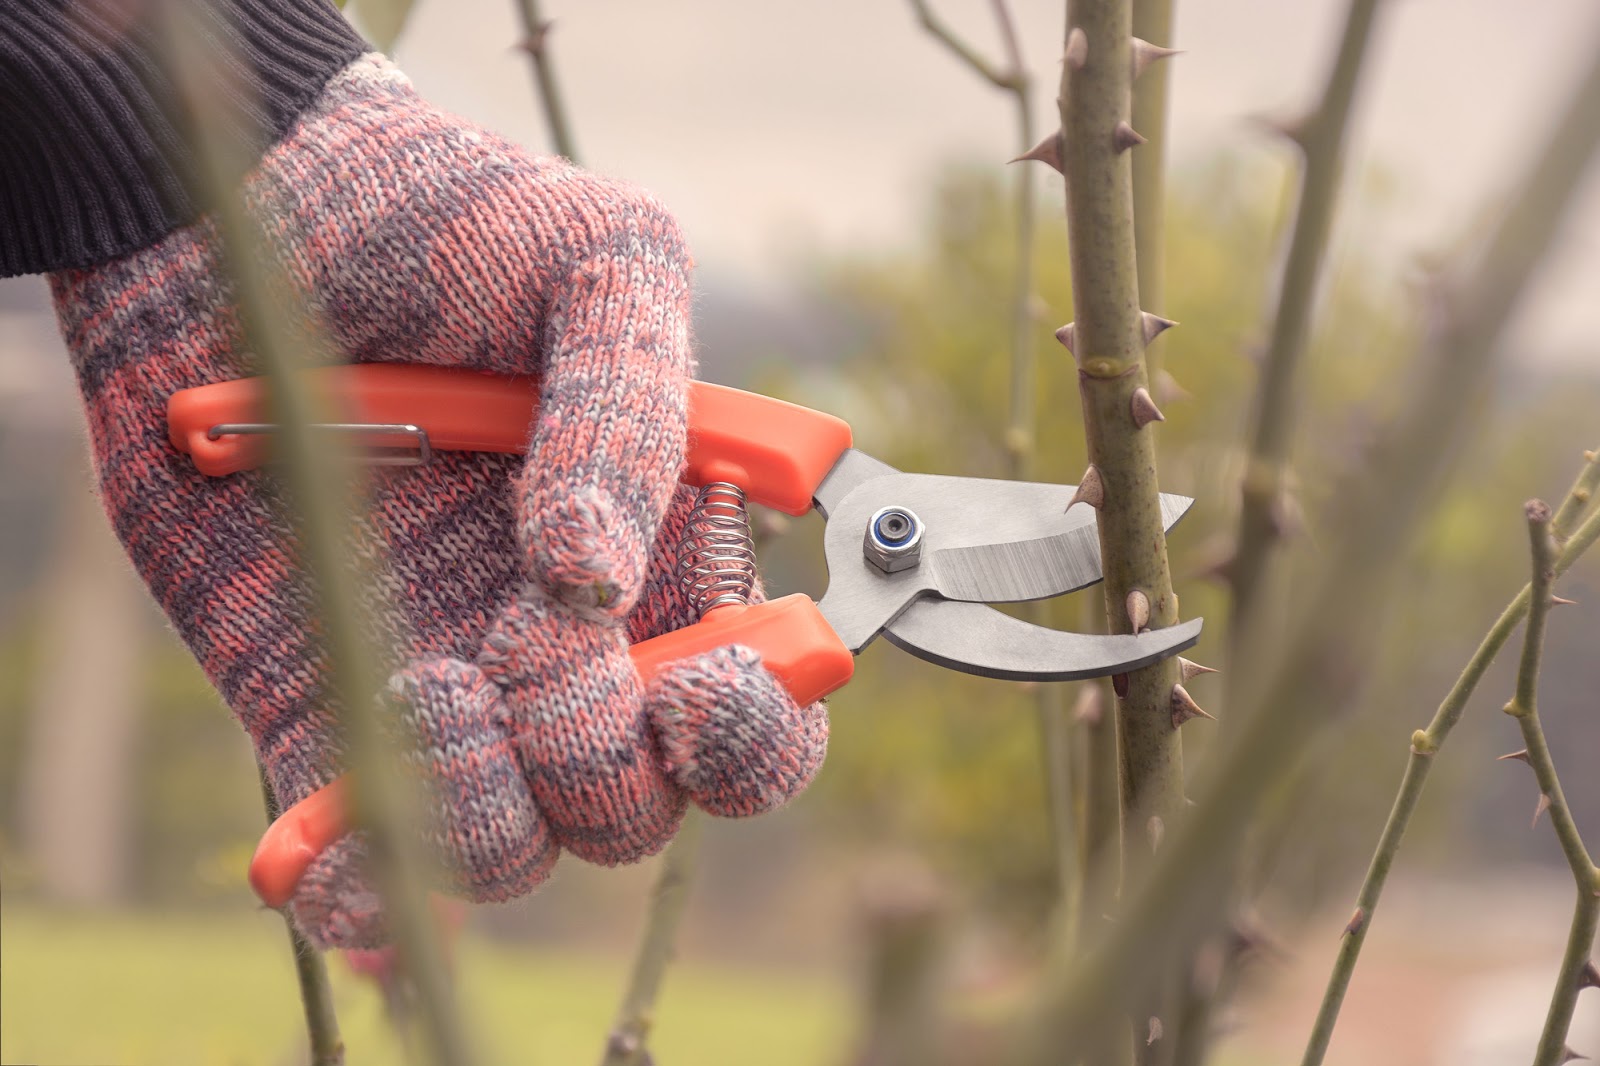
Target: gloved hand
509 587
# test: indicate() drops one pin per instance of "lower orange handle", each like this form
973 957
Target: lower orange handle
796 643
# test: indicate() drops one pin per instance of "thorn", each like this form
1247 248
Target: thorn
1091 490
1046 151
1184 707
1090 706
1077 48
1143 53
1190 670
1144 409
1569 1055
1157 830
1067 336
1562 601
1119 685
1292 129
1155 1032
1520 756
1245 937
1539 808
533 44
1589 976
1216 561
1138 611
1125 137
1167 389
1154 325
1357 921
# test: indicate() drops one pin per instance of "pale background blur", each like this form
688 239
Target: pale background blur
806 147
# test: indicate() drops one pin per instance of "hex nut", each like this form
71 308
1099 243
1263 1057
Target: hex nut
893 539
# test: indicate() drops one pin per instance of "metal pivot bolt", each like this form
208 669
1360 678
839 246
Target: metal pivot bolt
894 539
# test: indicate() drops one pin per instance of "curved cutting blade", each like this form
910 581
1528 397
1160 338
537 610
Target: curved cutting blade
977 639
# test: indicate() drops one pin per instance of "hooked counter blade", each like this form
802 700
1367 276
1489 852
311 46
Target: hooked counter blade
976 639
1035 569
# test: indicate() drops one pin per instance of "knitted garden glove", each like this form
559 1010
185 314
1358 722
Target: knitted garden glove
506 585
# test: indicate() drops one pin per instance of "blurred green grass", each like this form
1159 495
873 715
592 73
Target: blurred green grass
130 989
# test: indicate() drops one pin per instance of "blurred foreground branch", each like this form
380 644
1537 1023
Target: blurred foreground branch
384 805
1425 745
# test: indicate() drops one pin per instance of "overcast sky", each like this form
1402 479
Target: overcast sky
770 125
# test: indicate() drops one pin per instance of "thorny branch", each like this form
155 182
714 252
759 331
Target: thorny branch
1321 136
1524 707
1425 745
1108 339
1180 898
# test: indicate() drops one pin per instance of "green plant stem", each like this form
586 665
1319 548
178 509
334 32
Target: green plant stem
1524 707
1152 22
1321 136
316 996
317 478
1425 745
657 946
536 42
1316 663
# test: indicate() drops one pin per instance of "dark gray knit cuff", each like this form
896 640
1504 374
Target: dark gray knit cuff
96 158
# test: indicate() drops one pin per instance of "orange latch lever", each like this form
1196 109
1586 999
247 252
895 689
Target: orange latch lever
777 452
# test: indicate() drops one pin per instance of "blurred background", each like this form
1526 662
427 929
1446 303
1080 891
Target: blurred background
842 181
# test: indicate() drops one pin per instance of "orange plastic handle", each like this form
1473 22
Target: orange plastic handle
796 644
777 452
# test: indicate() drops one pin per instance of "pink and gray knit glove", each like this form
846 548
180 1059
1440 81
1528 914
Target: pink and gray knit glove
510 587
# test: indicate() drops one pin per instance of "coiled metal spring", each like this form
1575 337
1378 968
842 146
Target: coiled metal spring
717 555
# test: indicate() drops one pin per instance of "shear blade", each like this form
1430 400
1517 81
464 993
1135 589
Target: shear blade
1065 560
976 639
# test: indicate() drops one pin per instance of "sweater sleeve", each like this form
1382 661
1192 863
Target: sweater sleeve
96 160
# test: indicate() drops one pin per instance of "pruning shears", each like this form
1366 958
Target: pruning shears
916 558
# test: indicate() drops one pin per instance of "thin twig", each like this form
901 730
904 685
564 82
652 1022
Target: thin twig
657 947
1000 79
383 803
1524 707
1182 896
1425 744
316 995
536 42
